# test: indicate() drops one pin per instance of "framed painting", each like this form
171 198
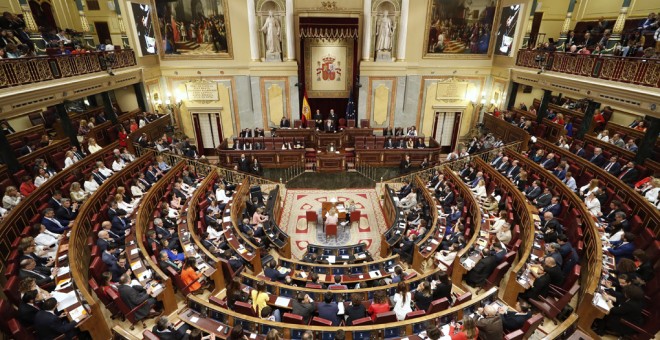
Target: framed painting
199 28
328 68
459 28
144 28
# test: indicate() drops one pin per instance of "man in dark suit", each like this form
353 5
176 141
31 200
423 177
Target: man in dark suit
543 199
549 162
514 170
329 126
151 175
624 249
620 222
104 240
28 309
318 119
53 224
285 123
152 239
164 263
540 286
514 319
405 189
389 144
554 207
120 223
615 206
434 180
533 191
54 201
548 220
497 161
243 163
42 275
477 276
404 166
580 151
165 233
447 200
272 273
553 269
50 326
613 167
164 330
79 154
112 210
98 176
133 296
116 266
406 248
629 174
504 165
597 158
67 211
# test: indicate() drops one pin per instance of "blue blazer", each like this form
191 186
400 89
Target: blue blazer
53 227
623 251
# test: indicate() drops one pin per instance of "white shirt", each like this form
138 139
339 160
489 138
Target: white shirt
125 206
136 191
69 161
445 258
584 190
91 186
652 195
117 165
213 233
40 180
220 196
593 205
617 236
480 191
603 138
142 123
105 172
93 148
570 183
9 202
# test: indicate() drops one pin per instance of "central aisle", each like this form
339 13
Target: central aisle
294 223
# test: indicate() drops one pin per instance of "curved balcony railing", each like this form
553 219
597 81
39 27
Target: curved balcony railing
638 71
21 71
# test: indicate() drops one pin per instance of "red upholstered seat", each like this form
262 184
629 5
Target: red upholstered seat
292 318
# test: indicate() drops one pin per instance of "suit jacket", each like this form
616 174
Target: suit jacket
513 171
614 169
103 244
119 225
54 227
503 167
54 204
274 274
497 162
41 261
548 164
165 264
26 314
134 296
540 287
48 326
244 165
405 190
39 274
478 275
581 152
151 177
533 192
512 321
490 328
65 214
407 246
543 200
178 334
561 174
628 177
624 250
598 160
555 209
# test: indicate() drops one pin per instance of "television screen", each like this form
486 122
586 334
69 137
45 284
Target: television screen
144 27
507 30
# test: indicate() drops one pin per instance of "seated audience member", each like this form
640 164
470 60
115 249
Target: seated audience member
191 276
165 330
27 186
570 181
304 306
405 248
272 273
490 325
533 191
514 319
53 224
134 296
49 325
504 234
423 295
477 276
543 199
623 250
593 204
11 198
466 331
328 309
380 304
356 310
42 275
630 309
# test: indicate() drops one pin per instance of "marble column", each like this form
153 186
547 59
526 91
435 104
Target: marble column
252 29
366 37
290 42
567 25
618 25
403 31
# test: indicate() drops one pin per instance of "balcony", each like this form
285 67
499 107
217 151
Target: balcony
638 71
21 71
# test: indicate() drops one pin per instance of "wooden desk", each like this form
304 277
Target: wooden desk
330 162
325 139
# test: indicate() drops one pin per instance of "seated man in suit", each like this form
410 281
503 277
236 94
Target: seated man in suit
477 276
120 223
67 211
54 201
514 319
613 166
405 189
272 273
628 174
540 286
53 224
48 325
165 233
389 143
597 158
544 199
329 126
42 275
165 330
624 249
119 239
28 309
104 241
554 207
133 296
164 262
533 191
405 248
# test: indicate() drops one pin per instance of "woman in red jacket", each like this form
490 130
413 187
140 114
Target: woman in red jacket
123 136
380 304
27 186
468 331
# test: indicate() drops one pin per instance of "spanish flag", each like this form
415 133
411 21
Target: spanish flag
306 110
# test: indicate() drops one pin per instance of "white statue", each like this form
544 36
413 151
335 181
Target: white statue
272 29
384 32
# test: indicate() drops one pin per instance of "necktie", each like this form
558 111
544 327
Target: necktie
609 166
623 173
34 272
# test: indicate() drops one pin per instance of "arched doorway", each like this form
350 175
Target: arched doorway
43 14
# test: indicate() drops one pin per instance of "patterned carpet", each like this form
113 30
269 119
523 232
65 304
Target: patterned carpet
294 223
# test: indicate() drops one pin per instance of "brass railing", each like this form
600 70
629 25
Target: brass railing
639 71
20 71
456 165
203 169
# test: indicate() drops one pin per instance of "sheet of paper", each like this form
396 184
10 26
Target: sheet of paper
136 265
331 259
253 336
78 314
194 319
468 263
303 275
134 251
64 300
434 241
63 271
282 301
226 219
220 328
374 273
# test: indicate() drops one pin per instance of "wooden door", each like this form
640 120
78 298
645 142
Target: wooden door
446 126
208 132
102 31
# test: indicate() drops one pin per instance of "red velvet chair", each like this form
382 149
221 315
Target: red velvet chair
385 317
126 312
318 321
355 217
292 319
438 305
415 314
331 230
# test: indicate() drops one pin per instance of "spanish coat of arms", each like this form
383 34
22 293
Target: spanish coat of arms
327 70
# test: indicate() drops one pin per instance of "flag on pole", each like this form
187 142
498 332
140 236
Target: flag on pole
306 110
350 107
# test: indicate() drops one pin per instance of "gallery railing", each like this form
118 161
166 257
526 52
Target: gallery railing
30 70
